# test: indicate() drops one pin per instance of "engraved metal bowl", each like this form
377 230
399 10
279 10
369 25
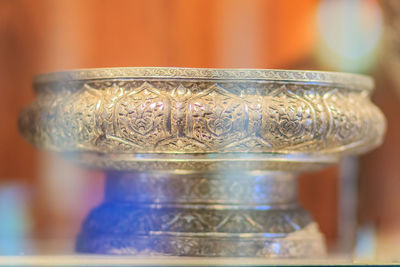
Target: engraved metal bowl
202 162
129 118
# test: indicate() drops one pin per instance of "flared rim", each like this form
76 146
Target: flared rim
351 80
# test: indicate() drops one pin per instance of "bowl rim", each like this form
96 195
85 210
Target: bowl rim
351 80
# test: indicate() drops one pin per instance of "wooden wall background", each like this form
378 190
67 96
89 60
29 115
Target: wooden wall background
47 35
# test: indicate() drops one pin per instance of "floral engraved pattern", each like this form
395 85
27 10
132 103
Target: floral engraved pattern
72 122
216 118
352 125
290 125
171 115
288 121
131 218
143 116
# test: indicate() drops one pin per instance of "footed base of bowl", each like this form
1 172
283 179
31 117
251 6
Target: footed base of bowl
237 214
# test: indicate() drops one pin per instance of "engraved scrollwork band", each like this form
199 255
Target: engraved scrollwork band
174 110
254 188
355 81
249 214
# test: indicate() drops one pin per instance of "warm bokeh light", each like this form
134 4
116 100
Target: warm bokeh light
349 33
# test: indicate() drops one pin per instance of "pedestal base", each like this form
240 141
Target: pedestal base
240 214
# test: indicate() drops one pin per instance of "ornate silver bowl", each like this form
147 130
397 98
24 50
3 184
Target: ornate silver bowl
202 162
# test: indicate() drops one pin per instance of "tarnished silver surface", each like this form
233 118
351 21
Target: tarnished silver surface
201 162
251 188
238 214
174 110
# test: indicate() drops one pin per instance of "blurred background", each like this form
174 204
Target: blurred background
43 199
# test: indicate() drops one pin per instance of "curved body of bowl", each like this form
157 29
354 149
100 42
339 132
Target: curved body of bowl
129 118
